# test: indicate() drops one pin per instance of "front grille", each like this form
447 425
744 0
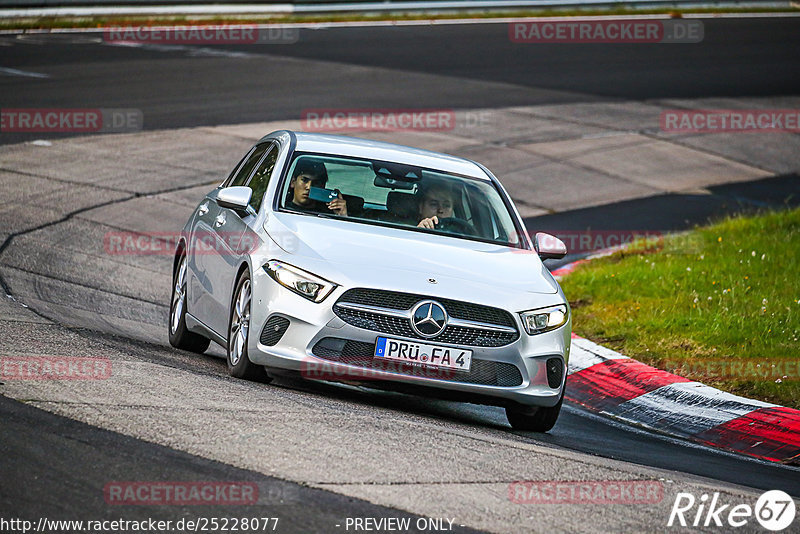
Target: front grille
404 301
457 335
359 353
273 330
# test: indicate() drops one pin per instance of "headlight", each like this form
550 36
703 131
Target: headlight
544 319
301 282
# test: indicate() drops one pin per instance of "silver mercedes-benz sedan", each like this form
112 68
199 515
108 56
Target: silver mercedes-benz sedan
356 261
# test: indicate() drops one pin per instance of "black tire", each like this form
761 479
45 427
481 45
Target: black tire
179 335
533 419
239 364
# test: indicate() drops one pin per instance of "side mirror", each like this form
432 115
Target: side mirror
549 246
235 198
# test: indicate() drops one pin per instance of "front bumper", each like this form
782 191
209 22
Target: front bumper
309 343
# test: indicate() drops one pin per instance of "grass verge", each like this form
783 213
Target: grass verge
720 304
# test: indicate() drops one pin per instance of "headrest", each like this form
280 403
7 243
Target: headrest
355 204
401 204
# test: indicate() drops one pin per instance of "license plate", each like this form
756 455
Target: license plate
423 354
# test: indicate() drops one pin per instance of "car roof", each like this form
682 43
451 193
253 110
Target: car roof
343 145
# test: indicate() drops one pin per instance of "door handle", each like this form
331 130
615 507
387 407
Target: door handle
220 220
203 209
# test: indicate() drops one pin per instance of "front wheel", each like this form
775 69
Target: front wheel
239 365
179 335
534 419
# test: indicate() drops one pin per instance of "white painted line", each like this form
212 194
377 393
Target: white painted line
193 51
585 353
14 72
718 396
627 427
685 408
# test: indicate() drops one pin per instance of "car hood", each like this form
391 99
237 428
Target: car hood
362 251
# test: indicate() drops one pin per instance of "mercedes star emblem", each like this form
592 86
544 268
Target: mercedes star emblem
428 318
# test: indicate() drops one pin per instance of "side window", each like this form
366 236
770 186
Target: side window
229 179
260 179
244 173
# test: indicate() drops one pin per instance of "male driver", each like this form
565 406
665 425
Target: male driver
309 173
436 202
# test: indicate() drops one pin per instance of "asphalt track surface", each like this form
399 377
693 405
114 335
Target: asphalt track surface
449 67
470 66
44 448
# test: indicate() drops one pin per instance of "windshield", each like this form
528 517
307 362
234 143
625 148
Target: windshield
399 195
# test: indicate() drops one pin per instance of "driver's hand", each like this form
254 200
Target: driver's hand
338 205
429 223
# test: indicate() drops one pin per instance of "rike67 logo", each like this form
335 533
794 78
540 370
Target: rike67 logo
774 511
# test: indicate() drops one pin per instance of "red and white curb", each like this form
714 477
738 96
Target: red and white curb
609 383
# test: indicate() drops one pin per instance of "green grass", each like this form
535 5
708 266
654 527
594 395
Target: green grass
722 295
31 23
